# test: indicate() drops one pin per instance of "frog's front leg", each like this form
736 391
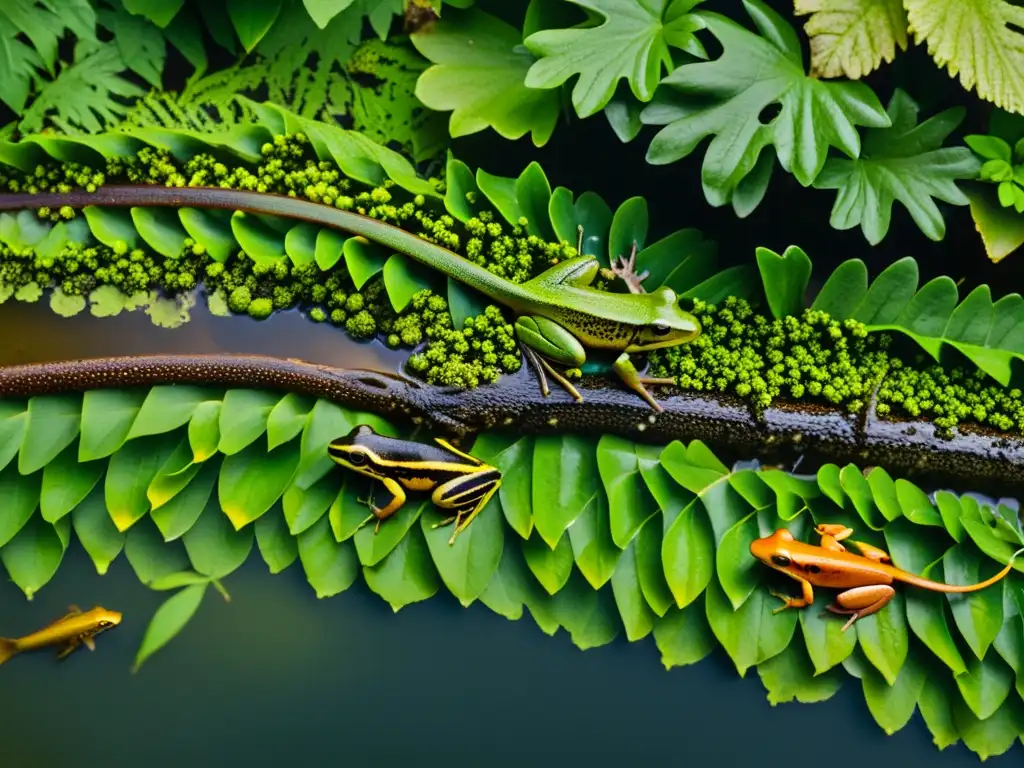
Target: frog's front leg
382 513
624 367
544 340
861 601
806 598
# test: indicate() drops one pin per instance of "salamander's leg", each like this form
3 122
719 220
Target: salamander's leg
625 269
872 553
807 597
861 601
382 513
466 496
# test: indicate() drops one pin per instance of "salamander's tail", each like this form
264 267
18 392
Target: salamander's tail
987 582
8 648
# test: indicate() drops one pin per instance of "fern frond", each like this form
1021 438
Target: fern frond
208 104
83 96
30 31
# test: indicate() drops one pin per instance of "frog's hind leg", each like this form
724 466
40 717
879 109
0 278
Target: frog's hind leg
806 596
861 601
466 497
540 365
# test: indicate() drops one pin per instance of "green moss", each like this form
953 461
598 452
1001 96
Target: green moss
476 354
812 358
815 359
949 397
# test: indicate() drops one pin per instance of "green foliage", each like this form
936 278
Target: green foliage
90 91
42 24
654 541
478 74
904 162
962 35
632 42
985 332
853 37
282 262
725 98
1004 166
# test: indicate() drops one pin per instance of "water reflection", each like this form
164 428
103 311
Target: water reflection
35 334
278 677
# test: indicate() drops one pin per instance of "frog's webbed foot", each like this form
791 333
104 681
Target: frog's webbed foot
788 602
625 270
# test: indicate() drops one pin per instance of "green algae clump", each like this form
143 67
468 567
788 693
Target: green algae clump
810 358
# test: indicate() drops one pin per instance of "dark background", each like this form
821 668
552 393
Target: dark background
278 677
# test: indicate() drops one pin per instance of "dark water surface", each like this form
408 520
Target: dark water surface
278 677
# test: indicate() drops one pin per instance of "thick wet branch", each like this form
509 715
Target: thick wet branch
969 460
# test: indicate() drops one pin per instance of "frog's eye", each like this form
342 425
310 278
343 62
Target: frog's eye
659 329
358 458
780 560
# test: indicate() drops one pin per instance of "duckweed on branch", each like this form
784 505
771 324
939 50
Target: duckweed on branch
811 357
814 359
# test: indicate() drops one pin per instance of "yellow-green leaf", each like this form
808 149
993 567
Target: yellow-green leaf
66 482
33 556
176 516
129 474
406 575
883 638
252 480
330 567
214 545
982 41
53 423
752 634
467 565
683 635
277 546
20 494
790 676
551 567
851 38
96 531
170 618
